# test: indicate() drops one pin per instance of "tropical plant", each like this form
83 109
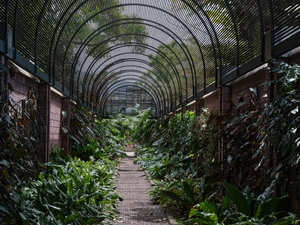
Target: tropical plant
246 209
19 148
71 192
183 194
93 138
281 119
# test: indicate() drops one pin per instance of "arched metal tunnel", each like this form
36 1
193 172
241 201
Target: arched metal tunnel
163 54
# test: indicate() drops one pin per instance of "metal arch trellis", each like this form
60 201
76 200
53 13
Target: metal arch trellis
142 5
149 103
215 35
168 86
133 81
141 54
163 90
281 21
128 83
145 62
188 56
160 94
120 46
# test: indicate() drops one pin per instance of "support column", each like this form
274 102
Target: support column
44 95
3 77
225 98
199 106
66 121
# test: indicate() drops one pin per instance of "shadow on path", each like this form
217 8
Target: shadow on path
137 208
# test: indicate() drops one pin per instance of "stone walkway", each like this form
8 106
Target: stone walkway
137 208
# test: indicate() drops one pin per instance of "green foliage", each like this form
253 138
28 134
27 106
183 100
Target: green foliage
246 209
75 191
19 147
282 118
183 194
93 138
244 149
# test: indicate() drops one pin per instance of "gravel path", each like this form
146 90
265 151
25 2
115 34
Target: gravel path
137 208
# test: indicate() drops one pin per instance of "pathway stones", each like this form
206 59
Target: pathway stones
137 208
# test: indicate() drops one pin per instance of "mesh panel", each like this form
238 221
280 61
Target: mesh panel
124 98
2 20
286 19
248 21
28 17
205 36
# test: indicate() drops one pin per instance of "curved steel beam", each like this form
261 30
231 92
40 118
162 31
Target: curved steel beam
109 88
182 48
158 90
122 5
122 45
125 85
161 78
162 91
115 47
127 59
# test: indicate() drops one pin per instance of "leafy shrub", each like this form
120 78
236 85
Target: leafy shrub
93 138
75 191
246 209
19 148
248 147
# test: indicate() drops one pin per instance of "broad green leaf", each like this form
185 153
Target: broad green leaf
3 209
266 208
72 217
209 207
171 195
237 198
188 191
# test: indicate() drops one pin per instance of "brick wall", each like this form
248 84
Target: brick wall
21 85
55 118
50 106
212 100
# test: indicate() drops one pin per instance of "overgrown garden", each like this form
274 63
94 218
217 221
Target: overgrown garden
66 190
235 168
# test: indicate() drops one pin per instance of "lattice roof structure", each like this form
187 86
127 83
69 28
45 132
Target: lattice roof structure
169 52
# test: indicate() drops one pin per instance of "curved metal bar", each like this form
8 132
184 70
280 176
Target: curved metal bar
121 45
215 34
123 54
145 74
170 93
132 82
106 92
122 5
138 78
128 83
36 39
117 79
82 47
51 68
145 62
125 85
236 35
15 30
